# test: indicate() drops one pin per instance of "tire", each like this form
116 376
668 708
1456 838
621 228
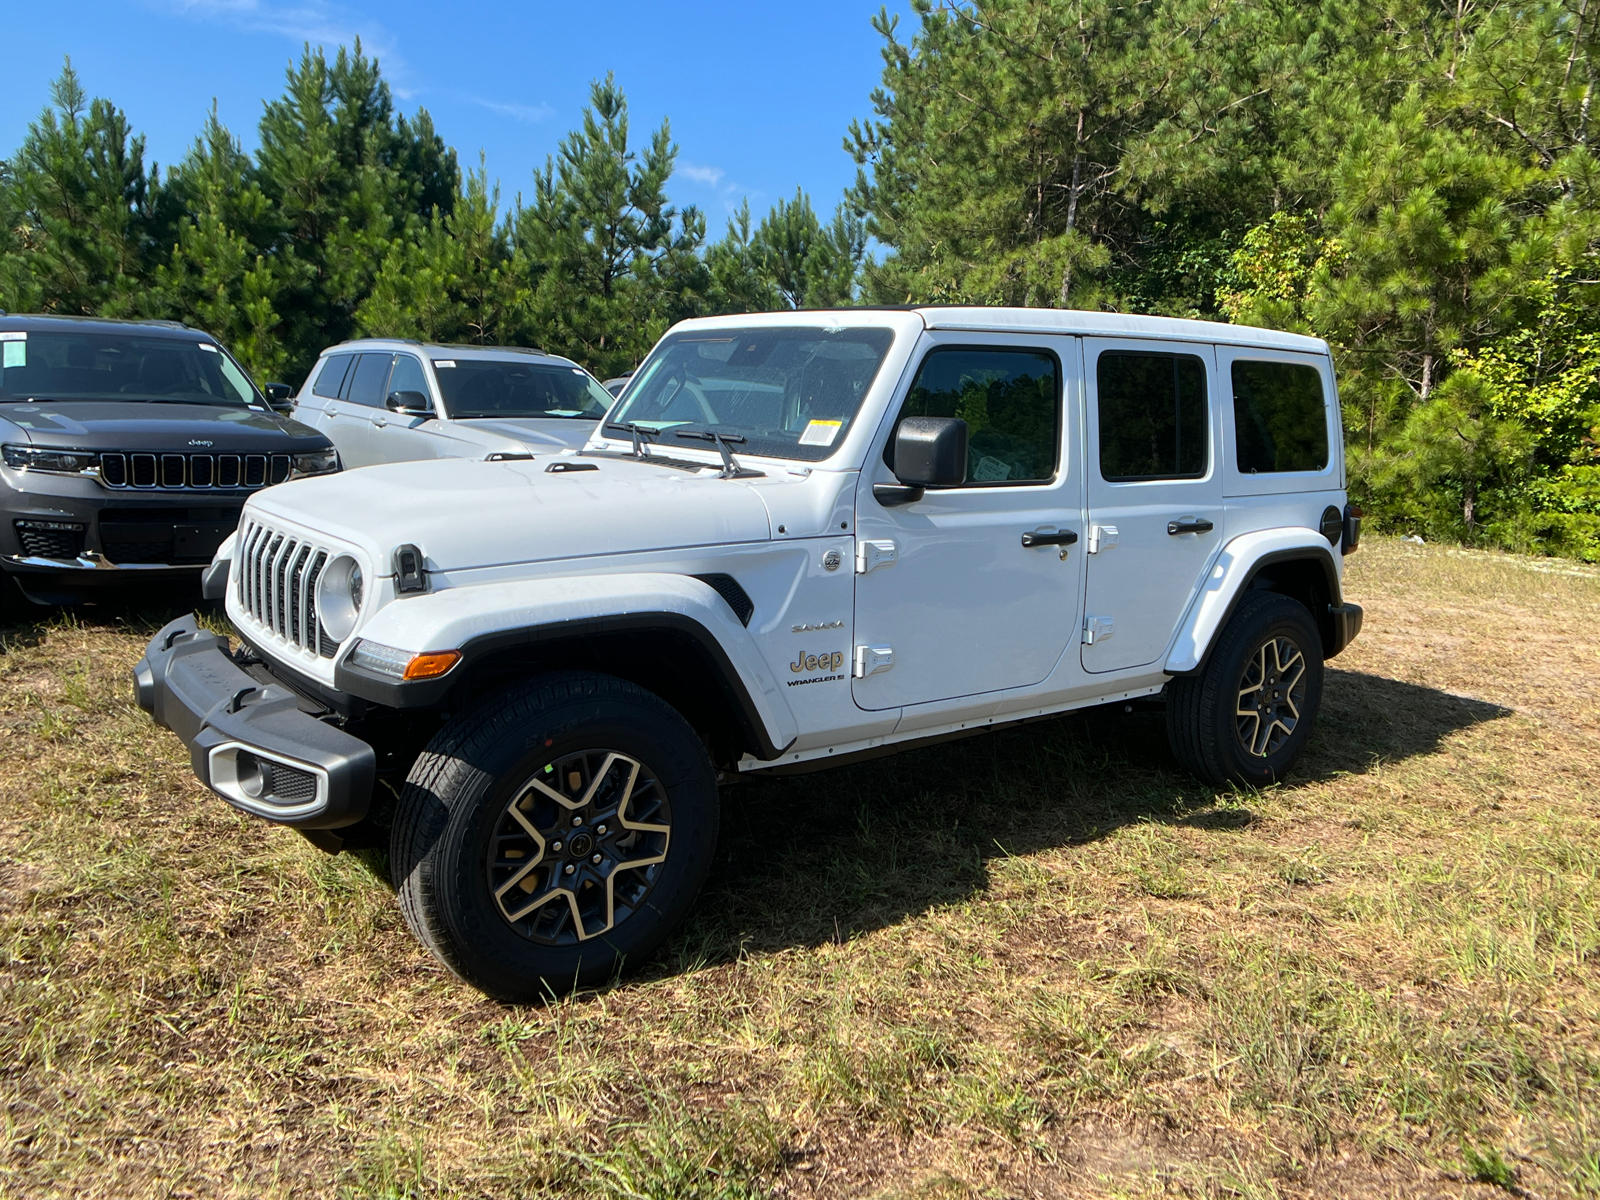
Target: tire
1216 730
502 816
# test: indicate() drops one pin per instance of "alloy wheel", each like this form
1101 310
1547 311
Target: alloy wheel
579 847
1271 693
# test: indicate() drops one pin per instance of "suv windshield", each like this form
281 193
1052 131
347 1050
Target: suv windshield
782 392
495 387
96 365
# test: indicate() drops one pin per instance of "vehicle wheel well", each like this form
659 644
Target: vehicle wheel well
1305 580
667 662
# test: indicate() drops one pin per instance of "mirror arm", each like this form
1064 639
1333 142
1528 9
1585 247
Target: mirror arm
891 495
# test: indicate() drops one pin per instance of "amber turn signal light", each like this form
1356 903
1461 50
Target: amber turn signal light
431 666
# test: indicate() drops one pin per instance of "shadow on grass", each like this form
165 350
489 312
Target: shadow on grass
807 859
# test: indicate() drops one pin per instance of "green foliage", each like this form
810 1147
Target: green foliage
354 220
1411 181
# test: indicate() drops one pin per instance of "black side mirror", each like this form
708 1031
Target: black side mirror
928 452
278 396
413 404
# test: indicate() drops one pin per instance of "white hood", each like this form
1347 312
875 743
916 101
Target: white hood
537 433
463 513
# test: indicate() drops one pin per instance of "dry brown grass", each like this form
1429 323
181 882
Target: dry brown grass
1039 963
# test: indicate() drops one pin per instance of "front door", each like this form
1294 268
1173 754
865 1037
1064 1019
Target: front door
950 602
402 437
1155 494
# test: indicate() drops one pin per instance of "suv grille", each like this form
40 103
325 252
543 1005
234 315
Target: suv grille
238 471
276 578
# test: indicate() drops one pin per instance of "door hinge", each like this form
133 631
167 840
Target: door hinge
1102 537
875 554
870 660
1097 629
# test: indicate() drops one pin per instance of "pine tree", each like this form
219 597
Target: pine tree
456 282
83 214
604 252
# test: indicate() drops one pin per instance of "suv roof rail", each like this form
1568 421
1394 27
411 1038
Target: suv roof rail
161 321
478 346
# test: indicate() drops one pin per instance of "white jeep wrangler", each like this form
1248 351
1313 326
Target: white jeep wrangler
797 540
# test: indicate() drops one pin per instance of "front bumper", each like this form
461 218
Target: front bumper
248 742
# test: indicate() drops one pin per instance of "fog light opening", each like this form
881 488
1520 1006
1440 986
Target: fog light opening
251 775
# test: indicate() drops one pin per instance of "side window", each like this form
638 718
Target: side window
407 376
1010 400
367 380
1152 416
1279 417
331 378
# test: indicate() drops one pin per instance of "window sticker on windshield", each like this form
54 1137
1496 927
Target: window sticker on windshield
16 354
821 433
13 335
210 347
444 362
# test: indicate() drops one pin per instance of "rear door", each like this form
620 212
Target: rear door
317 403
1154 494
352 426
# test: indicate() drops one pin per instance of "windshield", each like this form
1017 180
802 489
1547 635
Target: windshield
782 392
95 365
495 387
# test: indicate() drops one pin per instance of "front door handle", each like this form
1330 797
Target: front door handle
380 422
1065 538
1189 525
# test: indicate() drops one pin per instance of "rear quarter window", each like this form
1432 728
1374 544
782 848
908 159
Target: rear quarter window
331 377
1280 420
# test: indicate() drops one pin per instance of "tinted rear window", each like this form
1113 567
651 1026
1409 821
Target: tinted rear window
1152 416
1279 417
331 377
366 382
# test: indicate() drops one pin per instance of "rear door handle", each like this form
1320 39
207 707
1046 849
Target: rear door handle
1189 525
1065 538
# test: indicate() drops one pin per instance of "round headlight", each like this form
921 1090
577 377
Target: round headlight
339 597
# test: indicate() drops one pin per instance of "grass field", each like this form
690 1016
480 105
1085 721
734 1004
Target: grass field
1041 963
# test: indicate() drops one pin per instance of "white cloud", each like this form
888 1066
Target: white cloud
314 21
530 113
710 176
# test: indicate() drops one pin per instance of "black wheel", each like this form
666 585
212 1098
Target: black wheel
1246 717
552 833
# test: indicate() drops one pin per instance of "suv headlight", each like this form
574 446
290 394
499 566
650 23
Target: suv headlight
339 590
35 458
314 462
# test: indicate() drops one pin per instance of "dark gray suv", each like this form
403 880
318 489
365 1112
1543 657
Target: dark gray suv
127 449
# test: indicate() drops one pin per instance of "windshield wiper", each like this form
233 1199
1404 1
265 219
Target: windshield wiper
730 465
640 433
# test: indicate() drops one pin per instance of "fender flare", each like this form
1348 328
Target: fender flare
1232 572
484 620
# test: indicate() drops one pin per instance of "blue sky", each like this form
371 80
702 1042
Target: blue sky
759 94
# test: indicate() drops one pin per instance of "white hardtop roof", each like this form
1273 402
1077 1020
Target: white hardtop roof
1032 320
1103 324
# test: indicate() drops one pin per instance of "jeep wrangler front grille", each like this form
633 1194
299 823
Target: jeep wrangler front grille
244 472
275 576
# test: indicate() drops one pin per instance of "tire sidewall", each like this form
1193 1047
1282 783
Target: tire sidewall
1277 617
500 960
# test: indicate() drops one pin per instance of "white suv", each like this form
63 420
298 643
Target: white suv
385 400
797 539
